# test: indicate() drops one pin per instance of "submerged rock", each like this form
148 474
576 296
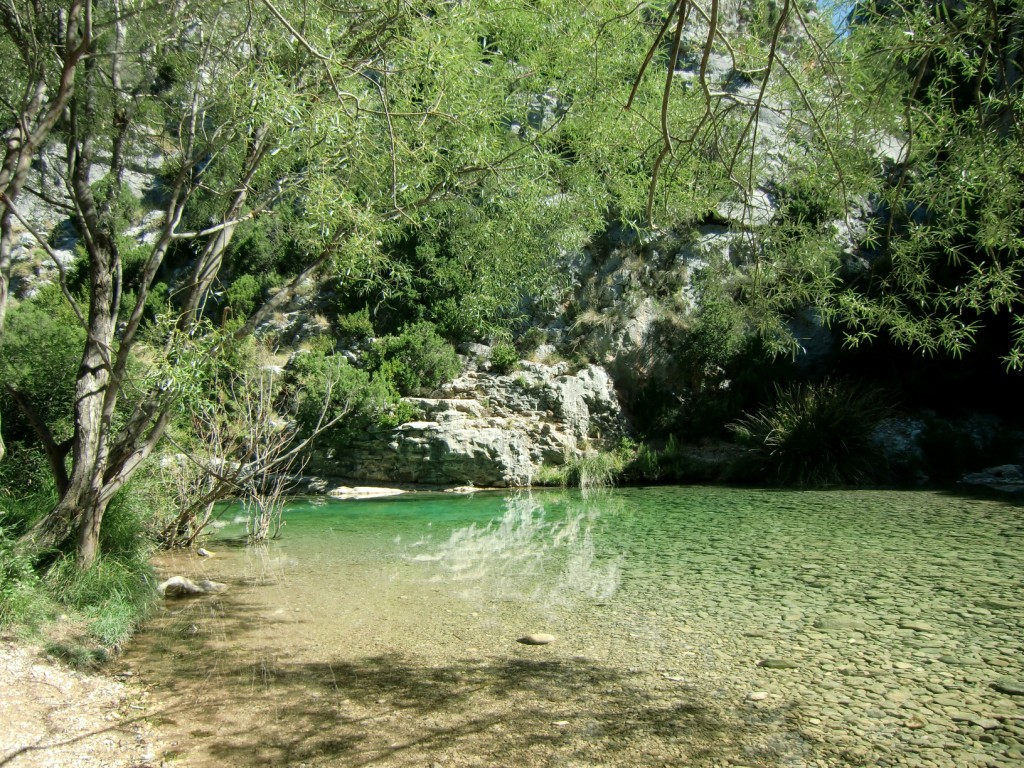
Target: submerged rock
1009 687
778 664
179 586
1008 478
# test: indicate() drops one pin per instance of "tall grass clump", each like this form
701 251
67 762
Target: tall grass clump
118 592
23 600
598 470
102 605
112 596
602 469
812 435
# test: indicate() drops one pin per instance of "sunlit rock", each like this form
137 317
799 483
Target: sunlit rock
536 639
179 586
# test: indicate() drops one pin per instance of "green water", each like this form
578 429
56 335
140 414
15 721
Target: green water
893 618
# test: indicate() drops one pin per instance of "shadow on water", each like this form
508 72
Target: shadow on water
226 697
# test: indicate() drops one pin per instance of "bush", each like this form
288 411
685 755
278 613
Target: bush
812 435
504 358
243 294
417 358
355 327
125 209
321 381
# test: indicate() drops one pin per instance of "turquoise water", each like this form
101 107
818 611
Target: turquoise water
823 628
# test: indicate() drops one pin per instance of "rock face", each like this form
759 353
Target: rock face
1008 478
490 430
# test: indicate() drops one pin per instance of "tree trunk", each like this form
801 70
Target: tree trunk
89 529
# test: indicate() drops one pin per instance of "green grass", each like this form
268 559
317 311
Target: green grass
80 616
602 469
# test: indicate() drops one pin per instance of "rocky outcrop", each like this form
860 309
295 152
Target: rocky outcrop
1008 478
490 430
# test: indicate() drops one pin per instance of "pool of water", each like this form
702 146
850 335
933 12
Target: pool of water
696 626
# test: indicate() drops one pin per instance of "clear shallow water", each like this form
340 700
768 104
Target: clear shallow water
695 626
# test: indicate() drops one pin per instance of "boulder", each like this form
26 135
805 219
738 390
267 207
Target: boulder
179 586
1008 478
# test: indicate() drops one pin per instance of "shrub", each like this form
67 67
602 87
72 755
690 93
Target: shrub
321 381
812 435
125 209
504 358
243 294
355 327
417 358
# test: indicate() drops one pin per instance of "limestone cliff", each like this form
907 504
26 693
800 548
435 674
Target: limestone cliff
491 430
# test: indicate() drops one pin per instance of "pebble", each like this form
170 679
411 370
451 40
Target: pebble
757 695
539 638
837 622
917 626
778 664
1009 687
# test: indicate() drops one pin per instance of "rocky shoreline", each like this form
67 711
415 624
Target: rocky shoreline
53 716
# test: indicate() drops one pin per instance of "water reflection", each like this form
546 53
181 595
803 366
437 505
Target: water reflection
541 551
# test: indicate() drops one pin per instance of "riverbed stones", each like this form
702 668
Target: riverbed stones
916 626
1009 687
836 622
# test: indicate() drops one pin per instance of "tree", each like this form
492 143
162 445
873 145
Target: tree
44 45
945 80
360 121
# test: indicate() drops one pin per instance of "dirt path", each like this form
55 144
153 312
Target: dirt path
51 715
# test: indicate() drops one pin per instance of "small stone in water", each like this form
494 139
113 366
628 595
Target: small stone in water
917 626
204 552
757 695
987 723
916 722
777 664
536 639
1009 687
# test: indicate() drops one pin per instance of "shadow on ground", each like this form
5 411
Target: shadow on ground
222 699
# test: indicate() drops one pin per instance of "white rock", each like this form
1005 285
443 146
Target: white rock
539 638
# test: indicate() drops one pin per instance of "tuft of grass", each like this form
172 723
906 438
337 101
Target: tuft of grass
23 599
99 608
598 470
113 596
812 435
601 469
